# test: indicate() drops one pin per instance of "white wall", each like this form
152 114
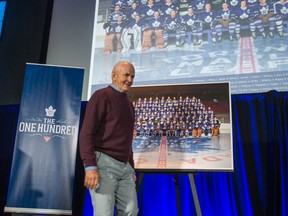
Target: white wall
70 40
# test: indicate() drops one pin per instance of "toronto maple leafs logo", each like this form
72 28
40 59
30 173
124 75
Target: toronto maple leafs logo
115 16
172 25
150 12
134 14
284 10
50 111
226 15
264 10
208 19
156 24
190 22
200 6
168 11
118 29
234 2
244 16
119 3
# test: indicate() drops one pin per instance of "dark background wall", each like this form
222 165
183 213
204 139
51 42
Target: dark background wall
52 32
24 39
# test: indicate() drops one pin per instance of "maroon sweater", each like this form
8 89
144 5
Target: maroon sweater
107 127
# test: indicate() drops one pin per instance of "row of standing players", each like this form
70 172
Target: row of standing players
138 23
170 117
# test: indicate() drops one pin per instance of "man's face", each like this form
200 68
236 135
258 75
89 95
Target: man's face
208 7
243 4
225 6
156 14
123 77
173 14
117 8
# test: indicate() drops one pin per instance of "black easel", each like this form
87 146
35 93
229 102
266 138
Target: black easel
177 189
176 182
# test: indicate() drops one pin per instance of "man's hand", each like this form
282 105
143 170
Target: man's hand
134 178
91 179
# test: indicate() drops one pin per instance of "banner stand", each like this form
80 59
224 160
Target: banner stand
44 157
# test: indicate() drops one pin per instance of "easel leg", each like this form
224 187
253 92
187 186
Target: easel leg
139 181
195 195
176 181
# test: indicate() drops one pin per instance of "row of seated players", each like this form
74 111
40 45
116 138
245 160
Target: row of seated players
172 117
141 23
173 105
198 129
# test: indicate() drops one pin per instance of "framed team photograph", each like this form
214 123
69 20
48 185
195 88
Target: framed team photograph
183 41
182 128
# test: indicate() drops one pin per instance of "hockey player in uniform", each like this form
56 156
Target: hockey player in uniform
225 19
173 24
263 14
164 129
166 9
244 17
138 127
114 33
197 130
148 10
171 131
132 11
207 22
120 3
215 126
190 128
113 17
206 129
129 3
192 24
234 4
199 6
133 31
154 26
281 13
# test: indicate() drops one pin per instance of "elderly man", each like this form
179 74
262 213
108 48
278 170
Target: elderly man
106 146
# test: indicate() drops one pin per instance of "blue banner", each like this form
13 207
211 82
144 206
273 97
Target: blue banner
44 157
